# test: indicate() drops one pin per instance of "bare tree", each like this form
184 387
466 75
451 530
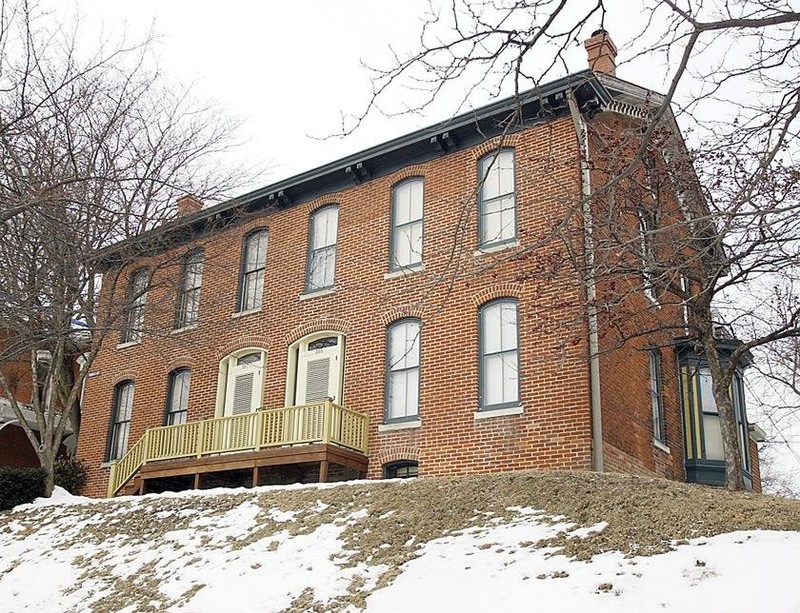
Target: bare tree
95 147
717 236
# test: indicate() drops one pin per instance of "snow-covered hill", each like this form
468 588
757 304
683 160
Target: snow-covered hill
508 542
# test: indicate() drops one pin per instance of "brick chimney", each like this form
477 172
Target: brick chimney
601 52
188 204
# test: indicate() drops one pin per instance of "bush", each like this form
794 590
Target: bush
70 474
20 486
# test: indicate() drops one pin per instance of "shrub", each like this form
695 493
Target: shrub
70 474
20 486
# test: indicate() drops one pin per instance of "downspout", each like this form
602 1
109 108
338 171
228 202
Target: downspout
591 290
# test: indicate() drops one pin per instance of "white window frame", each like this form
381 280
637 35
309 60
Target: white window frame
322 244
492 194
407 229
405 366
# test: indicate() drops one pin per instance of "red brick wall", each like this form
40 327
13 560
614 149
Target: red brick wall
15 448
553 431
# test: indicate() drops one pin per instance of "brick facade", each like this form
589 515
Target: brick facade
553 428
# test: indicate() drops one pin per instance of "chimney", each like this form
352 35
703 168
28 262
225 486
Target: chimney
188 204
601 52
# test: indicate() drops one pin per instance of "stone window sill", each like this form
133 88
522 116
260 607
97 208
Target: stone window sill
404 272
517 410
400 425
127 344
317 293
183 329
659 445
238 314
495 248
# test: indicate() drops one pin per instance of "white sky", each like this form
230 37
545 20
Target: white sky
289 69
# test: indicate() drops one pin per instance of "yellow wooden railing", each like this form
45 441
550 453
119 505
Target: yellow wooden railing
325 422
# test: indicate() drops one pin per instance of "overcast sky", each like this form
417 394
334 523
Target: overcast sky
289 70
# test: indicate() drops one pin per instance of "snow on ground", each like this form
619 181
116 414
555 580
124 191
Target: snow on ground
218 552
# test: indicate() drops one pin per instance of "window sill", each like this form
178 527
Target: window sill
659 445
495 248
318 293
487 413
404 272
400 425
238 314
183 329
127 344
106 464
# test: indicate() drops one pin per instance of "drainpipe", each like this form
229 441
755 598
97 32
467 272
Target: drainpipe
591 290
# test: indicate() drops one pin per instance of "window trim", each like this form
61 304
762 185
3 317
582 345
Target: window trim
223 377
181 316
488 245
400 464
171 379
241 307
394 267
513 404
657 396
113 429
388 371
311 250
133 334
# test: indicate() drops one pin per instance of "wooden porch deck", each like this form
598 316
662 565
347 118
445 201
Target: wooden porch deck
324 434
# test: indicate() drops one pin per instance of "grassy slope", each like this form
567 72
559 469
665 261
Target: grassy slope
643 515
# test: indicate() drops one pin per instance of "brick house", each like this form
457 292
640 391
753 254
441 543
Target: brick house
377 317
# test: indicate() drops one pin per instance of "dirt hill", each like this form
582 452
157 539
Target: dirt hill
382 526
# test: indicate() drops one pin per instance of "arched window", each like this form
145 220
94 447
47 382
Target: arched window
137 297
499 348
407 203
120 420
189 292
404 469
497 209
323 234
251 278
241 382
402 370
178 397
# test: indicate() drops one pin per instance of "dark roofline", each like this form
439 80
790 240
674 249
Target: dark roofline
465 130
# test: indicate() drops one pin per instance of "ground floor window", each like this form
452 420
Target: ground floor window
403 469
705 457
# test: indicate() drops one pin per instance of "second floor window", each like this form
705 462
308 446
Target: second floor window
178 397
407 224
254 261
402 377
322 249
497 211
189 293
137 298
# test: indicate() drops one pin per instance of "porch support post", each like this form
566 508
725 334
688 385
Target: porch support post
197 481
323 470
255 476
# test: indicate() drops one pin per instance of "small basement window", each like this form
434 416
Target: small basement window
404 469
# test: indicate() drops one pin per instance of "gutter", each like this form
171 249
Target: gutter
591 289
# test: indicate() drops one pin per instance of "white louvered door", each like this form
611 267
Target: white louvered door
243 389
319 371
